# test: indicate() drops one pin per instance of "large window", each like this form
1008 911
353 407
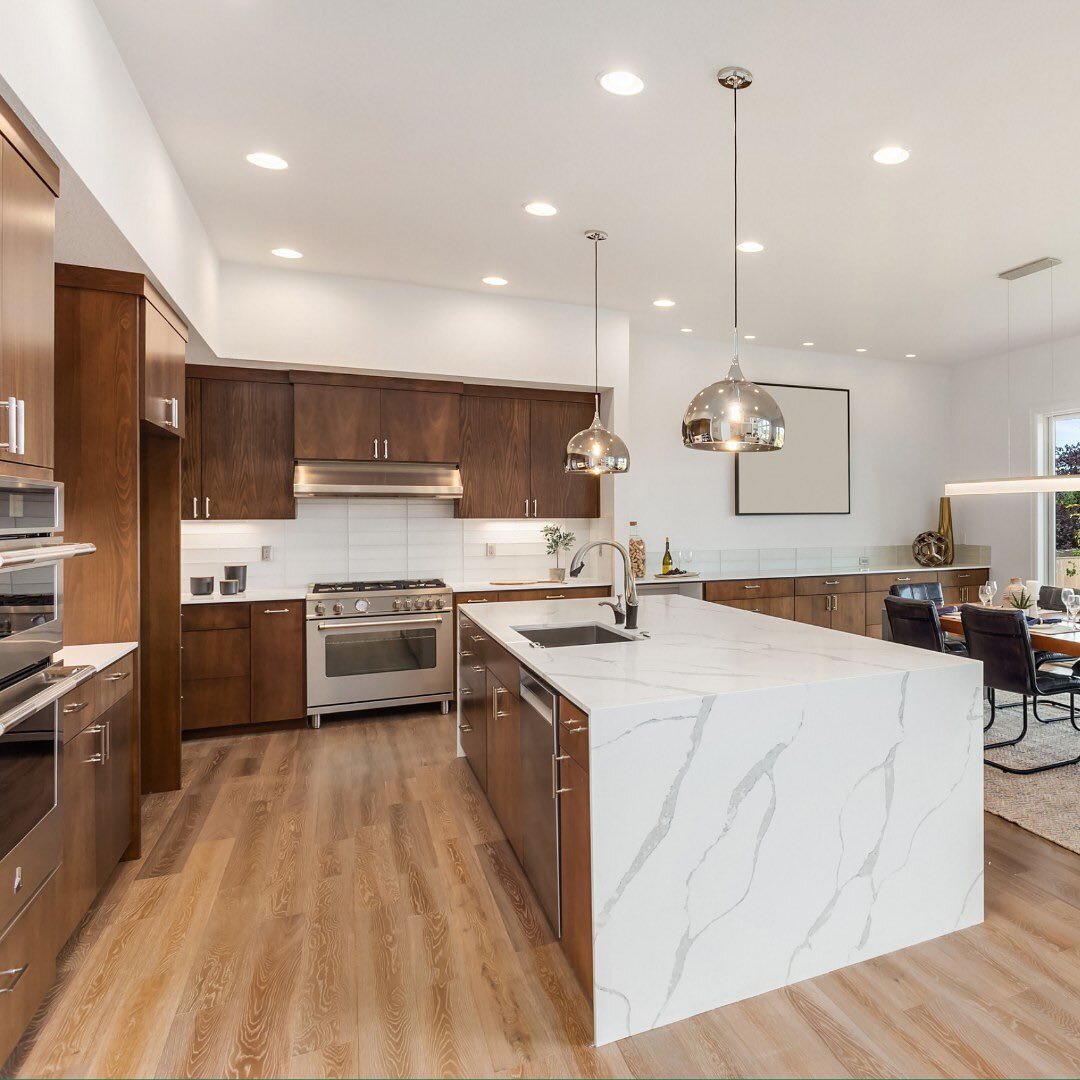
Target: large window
1063 453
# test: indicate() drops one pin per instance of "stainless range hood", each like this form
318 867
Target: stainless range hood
375 479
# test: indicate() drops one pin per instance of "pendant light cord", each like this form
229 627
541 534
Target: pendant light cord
735 170
596 324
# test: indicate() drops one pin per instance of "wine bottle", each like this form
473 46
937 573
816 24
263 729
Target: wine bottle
668 563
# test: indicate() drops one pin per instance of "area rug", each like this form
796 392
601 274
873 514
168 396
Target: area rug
1047 804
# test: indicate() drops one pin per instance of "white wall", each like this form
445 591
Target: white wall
58 58
899 418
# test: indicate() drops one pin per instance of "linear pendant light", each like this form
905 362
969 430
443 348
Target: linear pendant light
734 415
1021 485
596 451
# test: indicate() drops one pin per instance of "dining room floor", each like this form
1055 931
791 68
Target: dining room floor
341 902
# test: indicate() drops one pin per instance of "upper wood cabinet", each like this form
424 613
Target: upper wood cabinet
359 423
237 461
513 452
27 221
162 361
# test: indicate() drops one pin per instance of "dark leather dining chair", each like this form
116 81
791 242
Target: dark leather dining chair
1002 641
919 590
1050 598
916 623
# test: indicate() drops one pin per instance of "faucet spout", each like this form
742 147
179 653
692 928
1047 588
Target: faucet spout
577 564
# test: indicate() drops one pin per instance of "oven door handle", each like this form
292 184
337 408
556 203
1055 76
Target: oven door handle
46 553
352 624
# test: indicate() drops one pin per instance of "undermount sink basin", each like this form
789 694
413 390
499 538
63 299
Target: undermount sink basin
557 637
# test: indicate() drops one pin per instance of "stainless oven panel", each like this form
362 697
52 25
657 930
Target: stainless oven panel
369 660
30 507
31 615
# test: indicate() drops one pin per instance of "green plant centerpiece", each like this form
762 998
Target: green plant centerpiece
558 539
1020 599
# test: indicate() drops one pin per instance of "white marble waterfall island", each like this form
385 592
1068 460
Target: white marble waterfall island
769 800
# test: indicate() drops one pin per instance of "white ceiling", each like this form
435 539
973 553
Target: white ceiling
416 130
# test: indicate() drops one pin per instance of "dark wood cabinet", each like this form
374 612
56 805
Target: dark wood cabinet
504 757
513 452
278 691
554 492
836 611
27 219
359 423
239 464
780 607
112 796
472 726
575 870
79 869
163 349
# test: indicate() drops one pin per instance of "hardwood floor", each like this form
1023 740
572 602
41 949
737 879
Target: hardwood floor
341 902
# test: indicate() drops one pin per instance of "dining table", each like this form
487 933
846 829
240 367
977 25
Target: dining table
1061 636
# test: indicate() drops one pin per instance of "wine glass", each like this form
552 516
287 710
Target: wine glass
986 594
1072 606
686 559
991 588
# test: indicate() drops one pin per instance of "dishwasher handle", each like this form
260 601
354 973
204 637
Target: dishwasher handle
539 695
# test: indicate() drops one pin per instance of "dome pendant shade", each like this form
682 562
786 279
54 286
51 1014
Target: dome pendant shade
734 416
597 451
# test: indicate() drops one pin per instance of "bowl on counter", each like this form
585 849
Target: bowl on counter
229 587
201 586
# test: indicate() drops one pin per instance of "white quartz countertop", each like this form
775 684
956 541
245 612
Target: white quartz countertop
257 596
740 575
539 583
694 648
99 657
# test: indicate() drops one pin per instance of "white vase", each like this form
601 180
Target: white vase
557 573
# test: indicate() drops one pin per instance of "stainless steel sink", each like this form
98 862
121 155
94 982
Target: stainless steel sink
558 637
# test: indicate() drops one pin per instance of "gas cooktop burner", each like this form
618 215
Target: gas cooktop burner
399 585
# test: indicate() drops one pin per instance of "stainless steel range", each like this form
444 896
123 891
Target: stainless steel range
376 643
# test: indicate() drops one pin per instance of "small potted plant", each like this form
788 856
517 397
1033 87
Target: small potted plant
558 539
1021 599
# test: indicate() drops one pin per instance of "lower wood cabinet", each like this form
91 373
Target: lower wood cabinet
781 607
472 723
575 854
504 757
243 663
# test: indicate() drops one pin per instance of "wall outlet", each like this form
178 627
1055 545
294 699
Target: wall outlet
489 550
267 553
864 562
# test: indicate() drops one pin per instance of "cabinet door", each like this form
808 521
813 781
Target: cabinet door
336 423
556 493
163 372
472 727
849 613
951 594
575 871
191 486
494 458
112 798
83 758
247 439
277 662
27 216
816 610
504 759
420 426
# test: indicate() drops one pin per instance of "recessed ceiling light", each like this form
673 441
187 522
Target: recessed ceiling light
623 83
267 161
494 279
909 356
749 337
808 344
686 329
891 155
663 301
540 209
750 246
287 253
860 350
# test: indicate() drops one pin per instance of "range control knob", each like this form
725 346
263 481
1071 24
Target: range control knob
338 609
439 603
429 603
397 605
320 608
417 603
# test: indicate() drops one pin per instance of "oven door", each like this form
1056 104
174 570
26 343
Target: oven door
30 833
31 620
370 660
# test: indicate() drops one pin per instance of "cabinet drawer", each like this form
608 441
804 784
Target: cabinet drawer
212 703
906 577
504 667
473 641
962 578
829 584
555 592
28 959
114 682
781 607
216 654
216 616
78 708
476 598
574 732
472 674
748 589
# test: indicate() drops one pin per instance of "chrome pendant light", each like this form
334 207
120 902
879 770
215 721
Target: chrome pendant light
734 415
596 451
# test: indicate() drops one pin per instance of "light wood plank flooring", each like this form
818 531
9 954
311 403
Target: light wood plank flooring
341 902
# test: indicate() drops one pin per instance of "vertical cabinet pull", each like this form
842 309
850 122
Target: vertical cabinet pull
99 757
556 791
375 449
526 507
12 406
20 427
386 449
195 506
206 506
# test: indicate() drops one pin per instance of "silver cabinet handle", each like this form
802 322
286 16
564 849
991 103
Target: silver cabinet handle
555 596
534 508
903 579
375 449
20 427
276 611
116 676
172 413
576 730
526 507
386 449
13 975
99 757
758 586
206 506
484 601
108 740
12 406
464 653
74 707
465 729
556 791
195 506
464 691
832 581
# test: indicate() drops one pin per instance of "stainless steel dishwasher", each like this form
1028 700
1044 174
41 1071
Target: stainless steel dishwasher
539 801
